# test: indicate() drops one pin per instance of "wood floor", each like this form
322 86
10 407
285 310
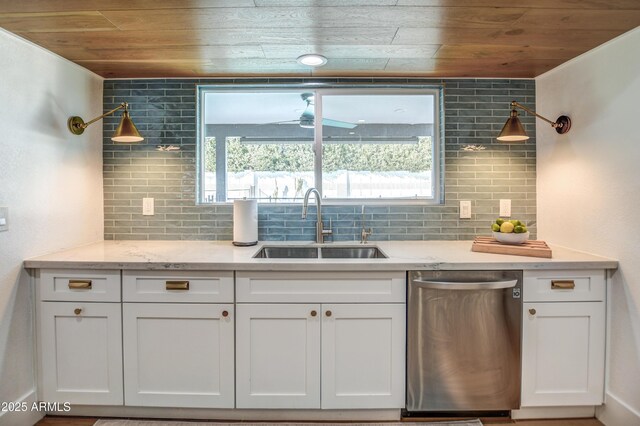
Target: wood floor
89 421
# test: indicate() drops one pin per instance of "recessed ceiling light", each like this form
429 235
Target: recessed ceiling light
399 110
312 60
361 121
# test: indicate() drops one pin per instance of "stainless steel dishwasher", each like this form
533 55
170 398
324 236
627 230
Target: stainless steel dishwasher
463 341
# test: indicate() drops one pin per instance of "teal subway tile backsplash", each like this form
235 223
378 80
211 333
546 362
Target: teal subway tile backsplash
165 113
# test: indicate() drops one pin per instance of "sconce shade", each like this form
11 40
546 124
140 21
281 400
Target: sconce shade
126 131
513 131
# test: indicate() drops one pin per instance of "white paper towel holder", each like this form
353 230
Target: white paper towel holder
245 240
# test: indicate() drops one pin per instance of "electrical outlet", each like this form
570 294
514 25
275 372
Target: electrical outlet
147 207
465 209
505 208
4 219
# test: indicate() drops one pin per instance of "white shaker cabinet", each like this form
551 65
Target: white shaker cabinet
80 336
563 351
178 350
363 355
278 356
178 355
313 350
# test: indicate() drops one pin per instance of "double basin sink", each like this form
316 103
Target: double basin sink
320 252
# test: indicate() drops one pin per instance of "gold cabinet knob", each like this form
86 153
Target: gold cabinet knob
314 313
77 311
328 313
225 313
532 311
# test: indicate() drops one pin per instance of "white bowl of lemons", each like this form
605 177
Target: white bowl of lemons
510 231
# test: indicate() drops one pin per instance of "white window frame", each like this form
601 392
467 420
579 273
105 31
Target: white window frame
437 177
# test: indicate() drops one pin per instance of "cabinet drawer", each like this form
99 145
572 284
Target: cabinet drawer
78 285
564 286
177 286
321 287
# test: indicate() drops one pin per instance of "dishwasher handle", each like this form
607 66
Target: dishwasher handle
461 285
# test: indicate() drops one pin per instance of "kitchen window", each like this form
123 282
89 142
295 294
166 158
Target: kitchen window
355 145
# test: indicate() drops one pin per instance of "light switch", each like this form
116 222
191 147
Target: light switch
505 208
4 219
465 209
147 207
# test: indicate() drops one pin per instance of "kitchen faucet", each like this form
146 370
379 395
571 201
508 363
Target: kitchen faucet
320 231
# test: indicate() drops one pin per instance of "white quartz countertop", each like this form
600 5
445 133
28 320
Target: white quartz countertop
222 255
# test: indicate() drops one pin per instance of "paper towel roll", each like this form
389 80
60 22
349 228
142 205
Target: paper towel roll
245 222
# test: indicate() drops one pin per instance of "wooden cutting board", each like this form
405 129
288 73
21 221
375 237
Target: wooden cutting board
533 248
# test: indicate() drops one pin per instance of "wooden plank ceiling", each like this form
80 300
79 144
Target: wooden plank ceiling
384 38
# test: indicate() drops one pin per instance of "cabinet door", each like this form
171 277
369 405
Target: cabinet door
363 356
81 352
563 354
278 356
178 355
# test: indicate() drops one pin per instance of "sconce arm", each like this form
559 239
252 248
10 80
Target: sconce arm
515 104
122 105
77 125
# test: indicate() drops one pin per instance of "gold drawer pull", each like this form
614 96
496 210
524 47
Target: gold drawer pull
563 284
177 285
532 311
77 311
76 284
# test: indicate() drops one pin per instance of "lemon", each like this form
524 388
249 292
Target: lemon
499 221
495 227
507 227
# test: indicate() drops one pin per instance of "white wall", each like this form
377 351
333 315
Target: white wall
50 180
589 191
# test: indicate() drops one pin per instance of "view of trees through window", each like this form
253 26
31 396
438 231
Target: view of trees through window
297 159
379 152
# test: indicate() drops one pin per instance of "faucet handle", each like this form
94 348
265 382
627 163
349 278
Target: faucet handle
364 235
327 231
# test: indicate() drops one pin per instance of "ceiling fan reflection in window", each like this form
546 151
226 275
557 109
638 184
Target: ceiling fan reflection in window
307 117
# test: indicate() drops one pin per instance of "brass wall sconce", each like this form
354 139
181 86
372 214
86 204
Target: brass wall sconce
126 132
513 131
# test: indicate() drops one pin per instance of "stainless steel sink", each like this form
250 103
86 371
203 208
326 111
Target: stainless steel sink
314 252
352 253
280 252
